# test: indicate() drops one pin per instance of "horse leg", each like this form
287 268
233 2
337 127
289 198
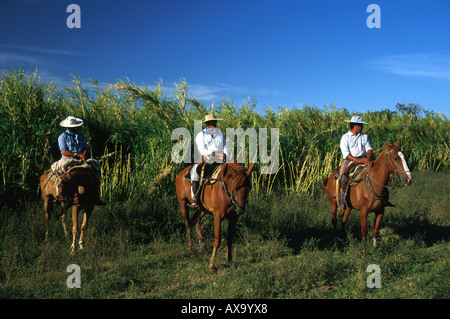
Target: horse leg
187 222
199 232
48 207
378 218
231 226
74 227
63 221
344 221
83 227
217 224
363 218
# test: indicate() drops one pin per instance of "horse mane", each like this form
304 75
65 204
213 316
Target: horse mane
236 168
83 167
91 166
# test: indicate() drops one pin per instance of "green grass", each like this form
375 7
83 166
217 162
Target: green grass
284 249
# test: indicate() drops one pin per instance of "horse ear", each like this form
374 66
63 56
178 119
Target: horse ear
396 143
388 146
250 169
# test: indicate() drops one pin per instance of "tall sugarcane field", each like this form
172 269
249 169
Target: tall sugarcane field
284 247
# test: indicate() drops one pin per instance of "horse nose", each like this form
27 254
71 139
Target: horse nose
409 179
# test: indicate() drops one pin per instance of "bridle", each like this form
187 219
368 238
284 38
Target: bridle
231 196
393 170
66 179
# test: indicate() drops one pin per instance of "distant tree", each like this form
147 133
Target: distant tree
412 109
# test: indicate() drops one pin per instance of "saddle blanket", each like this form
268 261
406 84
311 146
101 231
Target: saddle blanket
66 163
208 177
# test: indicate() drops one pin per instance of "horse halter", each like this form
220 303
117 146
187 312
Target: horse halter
65 179
231 196
394 169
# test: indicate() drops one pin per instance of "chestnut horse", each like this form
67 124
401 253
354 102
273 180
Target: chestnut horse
224 199
371 194
75 188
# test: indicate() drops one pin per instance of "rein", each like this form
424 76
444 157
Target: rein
231 196
370 187
370 176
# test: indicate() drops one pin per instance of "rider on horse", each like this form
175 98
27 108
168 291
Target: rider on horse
73 145
355 147
211 143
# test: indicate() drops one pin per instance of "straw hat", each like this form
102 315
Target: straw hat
211 117
71 121
356 119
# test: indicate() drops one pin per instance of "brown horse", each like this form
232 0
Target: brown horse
75 188
50 195
371 194
224 199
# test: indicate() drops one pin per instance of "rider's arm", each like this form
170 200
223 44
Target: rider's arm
358 160
201 145
74 154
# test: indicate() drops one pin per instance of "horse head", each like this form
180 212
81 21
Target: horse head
396 163
236 183
66 190
77 180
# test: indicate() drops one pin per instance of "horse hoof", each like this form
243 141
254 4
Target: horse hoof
212 270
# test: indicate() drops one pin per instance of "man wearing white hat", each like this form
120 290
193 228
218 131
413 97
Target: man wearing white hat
212 146
73 144
355 147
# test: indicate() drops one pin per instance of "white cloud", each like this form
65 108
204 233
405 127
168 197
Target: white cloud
418 65
211 92
32 49
9 59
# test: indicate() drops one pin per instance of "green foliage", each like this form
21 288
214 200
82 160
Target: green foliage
129 128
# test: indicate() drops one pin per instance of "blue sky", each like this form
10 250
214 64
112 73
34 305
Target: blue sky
281 53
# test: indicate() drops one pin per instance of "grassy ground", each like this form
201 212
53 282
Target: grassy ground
284 249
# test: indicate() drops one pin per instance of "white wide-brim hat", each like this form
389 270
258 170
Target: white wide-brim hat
211 117
356 119
71 121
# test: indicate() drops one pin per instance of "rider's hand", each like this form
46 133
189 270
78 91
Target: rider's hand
363 160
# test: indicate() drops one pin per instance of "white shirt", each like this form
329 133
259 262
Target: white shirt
355 145
211 141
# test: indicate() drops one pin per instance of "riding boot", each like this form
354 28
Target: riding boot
194 185
343 193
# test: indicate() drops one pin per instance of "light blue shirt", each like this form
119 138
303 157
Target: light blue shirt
355 145
73 142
